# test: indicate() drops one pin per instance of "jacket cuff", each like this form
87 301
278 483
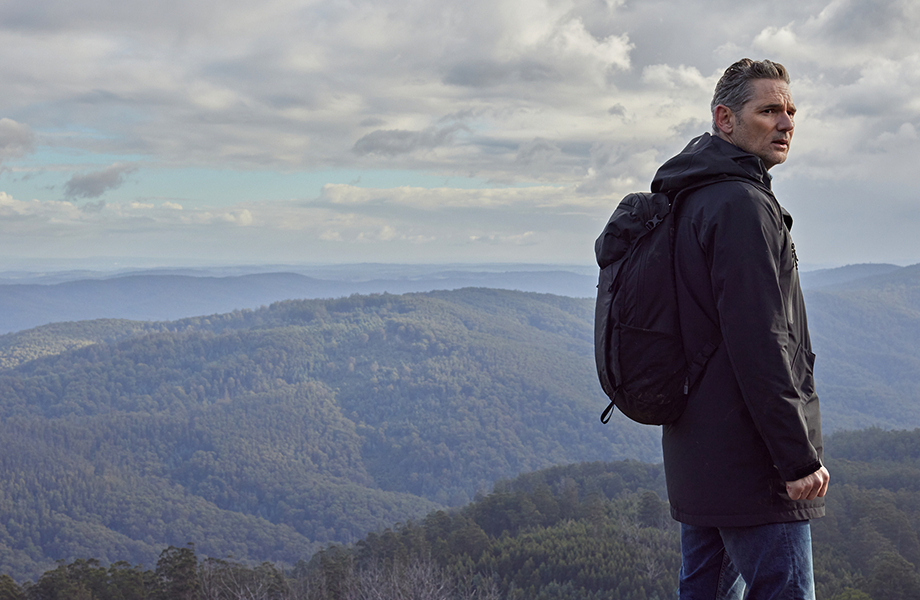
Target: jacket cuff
801 472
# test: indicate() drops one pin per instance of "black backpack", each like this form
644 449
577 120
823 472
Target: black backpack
638 347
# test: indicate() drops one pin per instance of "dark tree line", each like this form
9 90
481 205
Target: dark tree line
589 531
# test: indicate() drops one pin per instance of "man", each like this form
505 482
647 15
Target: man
744 461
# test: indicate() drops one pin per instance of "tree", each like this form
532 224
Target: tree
9 590
851 594
893 578
177 574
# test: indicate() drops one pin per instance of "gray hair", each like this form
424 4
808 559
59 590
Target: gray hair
734 89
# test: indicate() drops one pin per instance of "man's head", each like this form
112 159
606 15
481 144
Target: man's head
752 108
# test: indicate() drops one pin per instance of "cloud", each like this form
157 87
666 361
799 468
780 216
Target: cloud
522 239
564 51
549 109
296 85
93 207
411 220
678 78
447 199
238 217
904 137
617 167
394 142
68 216
16 139
96 183
851 22
32 220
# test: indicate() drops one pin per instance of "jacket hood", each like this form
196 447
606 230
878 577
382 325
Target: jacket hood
707 159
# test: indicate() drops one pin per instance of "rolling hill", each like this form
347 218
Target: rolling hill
32 300
866 335
268 433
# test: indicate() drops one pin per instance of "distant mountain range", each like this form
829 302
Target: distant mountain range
863 317
866 334
826 277
29 300
32 299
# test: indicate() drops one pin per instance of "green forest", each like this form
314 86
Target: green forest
866 335
585 531
266 436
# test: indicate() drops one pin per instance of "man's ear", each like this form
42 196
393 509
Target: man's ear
724 119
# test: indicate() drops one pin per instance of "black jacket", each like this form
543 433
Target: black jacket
752 421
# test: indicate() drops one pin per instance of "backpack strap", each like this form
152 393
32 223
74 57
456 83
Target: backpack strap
700 360
696 366
608 412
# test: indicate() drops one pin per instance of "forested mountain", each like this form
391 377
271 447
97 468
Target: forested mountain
601 531
827 277
866 334
32 300
588 531
267 433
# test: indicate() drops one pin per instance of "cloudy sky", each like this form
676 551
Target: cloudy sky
324 131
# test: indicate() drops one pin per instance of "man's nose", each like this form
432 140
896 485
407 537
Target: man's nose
785 122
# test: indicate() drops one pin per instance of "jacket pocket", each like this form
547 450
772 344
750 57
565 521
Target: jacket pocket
803 372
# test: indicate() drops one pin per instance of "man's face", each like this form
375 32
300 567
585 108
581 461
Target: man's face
765 123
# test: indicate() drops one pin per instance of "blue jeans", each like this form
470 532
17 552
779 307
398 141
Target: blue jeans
769 561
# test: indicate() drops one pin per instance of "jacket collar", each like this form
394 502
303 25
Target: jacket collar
707 159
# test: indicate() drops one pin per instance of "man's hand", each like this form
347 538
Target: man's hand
809 487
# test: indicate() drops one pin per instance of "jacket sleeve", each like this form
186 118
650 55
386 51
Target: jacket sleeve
748 248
